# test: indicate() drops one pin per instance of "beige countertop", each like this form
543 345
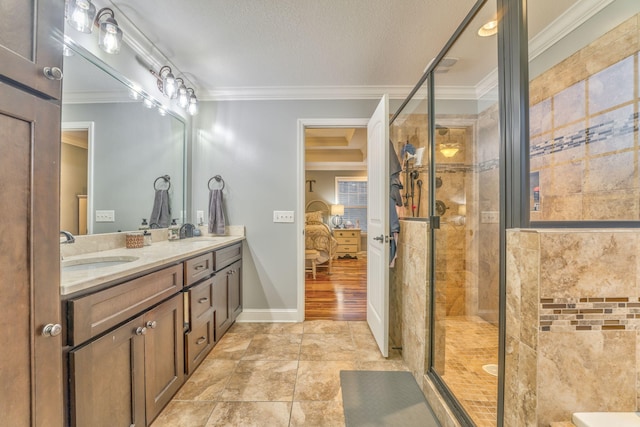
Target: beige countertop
148 258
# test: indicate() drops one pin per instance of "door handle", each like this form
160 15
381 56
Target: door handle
379 238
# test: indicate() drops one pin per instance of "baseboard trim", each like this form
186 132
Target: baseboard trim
262 315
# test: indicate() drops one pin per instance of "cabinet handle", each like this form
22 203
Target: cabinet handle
200 340
51 330
141 330
203 300
152 324
199 267
52 73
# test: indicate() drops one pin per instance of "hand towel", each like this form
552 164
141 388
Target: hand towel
216 214
161 212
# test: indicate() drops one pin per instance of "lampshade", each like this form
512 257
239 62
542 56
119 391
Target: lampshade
449 150
80 15
337 209
183 95
169 84
110 35
193 103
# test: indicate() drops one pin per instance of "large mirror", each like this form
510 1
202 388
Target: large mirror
118 152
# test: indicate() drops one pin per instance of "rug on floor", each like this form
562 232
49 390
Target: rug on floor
381 398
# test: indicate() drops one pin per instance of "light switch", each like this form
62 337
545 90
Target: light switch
105 216
282 216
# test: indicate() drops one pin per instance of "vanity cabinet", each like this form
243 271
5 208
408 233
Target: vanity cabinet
127 359
31 355
227 287
200 339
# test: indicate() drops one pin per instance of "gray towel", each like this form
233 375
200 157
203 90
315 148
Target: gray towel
161 212
216 215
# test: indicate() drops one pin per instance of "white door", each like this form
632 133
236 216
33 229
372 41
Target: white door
378 225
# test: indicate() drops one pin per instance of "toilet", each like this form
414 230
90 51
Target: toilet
606 419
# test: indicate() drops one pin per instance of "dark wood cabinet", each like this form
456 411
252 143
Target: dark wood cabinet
221 303
107 379
128 375
235 289
31 35
200 339
31 363
163 354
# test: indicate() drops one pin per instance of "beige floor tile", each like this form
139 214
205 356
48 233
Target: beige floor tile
261 381
282 328
231 346
360 328
208 381
251 414
274 347
314 414
320 380
326 327
184 414
327 347
246 328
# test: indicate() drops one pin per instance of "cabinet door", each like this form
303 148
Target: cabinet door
107 379
235 289
163 354
30 40
221 303
30 363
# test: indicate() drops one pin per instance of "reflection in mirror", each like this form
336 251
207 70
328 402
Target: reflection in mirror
113 150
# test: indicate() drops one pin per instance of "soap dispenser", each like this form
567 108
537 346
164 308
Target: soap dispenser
144 225
174 231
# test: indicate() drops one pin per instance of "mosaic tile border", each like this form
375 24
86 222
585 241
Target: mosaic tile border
589 314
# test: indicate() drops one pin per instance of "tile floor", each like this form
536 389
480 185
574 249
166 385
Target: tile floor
276 374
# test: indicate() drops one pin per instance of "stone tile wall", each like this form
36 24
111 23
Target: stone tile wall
584 131
572 341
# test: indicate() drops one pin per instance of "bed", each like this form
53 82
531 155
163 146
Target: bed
317 234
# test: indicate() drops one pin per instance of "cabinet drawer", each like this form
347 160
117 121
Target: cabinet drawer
346 233
347 249
96 313
200 299
199 343
347 241
198 268
228 255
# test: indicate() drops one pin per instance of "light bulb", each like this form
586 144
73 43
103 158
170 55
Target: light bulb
82 16
110 36
193 105
183 96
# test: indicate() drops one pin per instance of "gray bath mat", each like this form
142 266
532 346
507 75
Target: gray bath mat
380 398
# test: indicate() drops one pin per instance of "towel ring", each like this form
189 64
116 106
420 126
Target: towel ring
166 179
218 178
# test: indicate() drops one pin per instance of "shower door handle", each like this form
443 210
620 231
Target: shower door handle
380 238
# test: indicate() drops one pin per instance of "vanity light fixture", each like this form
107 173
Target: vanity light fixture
80 14
183 95
449 150
488 29
110 35
193 102
167 82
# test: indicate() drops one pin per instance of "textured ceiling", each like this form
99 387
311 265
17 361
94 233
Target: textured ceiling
301 43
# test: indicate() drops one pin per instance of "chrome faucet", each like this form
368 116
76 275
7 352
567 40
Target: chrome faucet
69 236
186 230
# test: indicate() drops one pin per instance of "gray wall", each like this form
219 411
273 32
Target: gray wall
253 145
133 146
325 186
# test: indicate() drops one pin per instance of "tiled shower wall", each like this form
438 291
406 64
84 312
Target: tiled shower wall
573 302
584 131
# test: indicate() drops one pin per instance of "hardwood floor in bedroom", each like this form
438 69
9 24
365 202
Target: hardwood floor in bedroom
341 295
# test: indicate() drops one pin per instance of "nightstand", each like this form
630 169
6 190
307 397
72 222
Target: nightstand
348 242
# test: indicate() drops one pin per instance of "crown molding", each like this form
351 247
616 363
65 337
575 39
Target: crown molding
281 93
564 24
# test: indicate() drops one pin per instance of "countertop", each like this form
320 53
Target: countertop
149 257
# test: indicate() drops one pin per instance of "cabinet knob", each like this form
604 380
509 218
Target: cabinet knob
51 330
141 330
230 272
152 324
52 73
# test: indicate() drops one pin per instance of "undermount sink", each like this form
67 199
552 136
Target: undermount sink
98 262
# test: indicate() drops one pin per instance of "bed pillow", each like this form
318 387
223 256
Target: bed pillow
313 217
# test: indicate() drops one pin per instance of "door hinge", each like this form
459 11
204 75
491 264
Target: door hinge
434 222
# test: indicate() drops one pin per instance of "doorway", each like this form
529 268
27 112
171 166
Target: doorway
75 177
333 171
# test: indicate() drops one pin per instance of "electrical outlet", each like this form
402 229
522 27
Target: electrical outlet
200 217
105 216
282 216
489 217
